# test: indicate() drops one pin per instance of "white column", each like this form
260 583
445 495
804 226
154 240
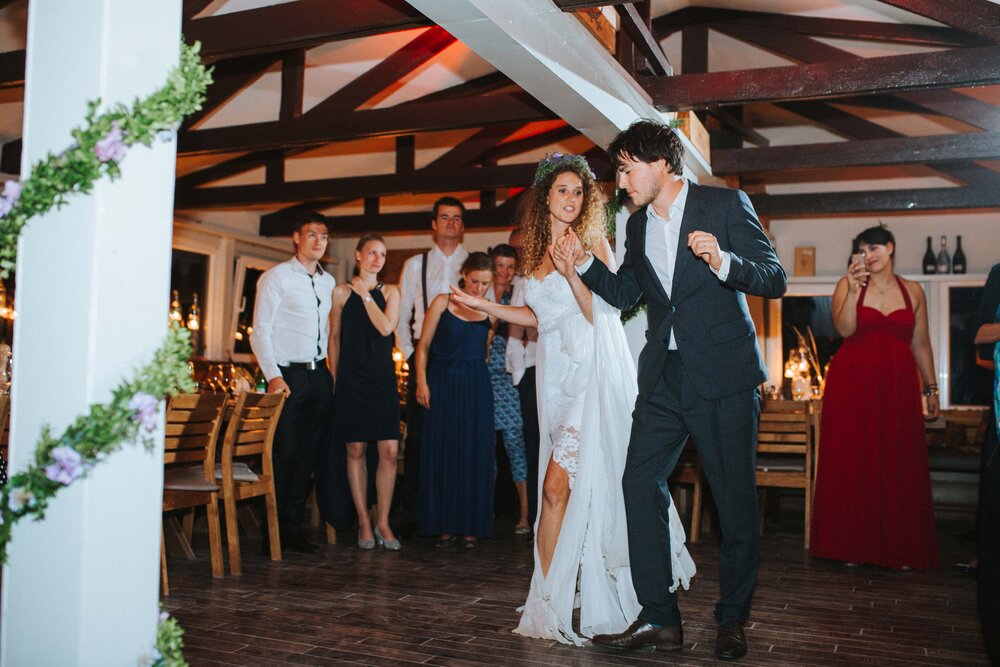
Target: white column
80 588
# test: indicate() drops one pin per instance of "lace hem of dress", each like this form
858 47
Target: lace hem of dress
566 451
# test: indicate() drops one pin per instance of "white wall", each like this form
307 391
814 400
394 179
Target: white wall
832 239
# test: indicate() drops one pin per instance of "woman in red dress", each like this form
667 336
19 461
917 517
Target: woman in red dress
873 490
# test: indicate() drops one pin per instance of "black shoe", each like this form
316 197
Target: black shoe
730 643
299 544
642 636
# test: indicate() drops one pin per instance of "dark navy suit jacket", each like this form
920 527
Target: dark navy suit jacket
715 335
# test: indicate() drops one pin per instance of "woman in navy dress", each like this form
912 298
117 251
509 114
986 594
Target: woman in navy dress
506 400
457 459
366 400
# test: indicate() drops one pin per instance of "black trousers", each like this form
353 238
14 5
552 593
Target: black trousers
989 543
304 427
410 500
529 414
725 433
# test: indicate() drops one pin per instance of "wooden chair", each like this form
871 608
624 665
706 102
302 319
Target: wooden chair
192 428
689 471
785 451
246 470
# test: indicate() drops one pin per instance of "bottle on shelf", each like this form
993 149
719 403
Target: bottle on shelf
943 258
194 314
176 315
958 264
930 263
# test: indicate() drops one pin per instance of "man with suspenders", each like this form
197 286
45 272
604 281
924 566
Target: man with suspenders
424 277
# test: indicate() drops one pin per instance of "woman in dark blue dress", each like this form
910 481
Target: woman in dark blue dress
366 400
457 460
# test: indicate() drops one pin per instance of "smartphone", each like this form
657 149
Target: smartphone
859 258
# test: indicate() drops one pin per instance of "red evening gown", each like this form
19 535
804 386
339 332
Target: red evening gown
873 489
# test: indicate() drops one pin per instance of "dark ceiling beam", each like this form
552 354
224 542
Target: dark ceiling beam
808 50
734 123
636 27
904 150
577 5
12 69
226 169
192 8
502 108
854 127
488 83
883 201
283 221
917 35
980 17
540 140
943 69
421 181
412 55
293 84
472 150
228 79
502 216
300 24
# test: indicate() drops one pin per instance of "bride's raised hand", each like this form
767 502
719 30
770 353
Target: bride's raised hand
564 253
474 302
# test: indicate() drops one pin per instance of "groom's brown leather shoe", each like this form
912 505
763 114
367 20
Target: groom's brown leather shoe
730 643
644 637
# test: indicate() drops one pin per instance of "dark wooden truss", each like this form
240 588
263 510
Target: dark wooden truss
828 87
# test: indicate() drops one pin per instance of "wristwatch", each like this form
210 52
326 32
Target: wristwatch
931 390
368 298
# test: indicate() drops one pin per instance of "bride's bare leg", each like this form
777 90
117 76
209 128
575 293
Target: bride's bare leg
555 498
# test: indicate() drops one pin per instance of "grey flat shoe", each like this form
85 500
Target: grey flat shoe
389 545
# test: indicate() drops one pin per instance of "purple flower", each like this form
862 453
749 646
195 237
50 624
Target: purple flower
111 147
145 409
164 615
67 466
11 193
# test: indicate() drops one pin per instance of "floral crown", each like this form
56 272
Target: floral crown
550 163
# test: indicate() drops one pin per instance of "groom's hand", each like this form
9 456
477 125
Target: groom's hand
706 247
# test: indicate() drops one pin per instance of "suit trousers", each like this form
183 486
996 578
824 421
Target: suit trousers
303 428
725 433
528 396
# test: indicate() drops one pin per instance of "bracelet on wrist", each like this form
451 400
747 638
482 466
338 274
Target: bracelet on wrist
931 390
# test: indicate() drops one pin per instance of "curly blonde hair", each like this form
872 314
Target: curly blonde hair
534 214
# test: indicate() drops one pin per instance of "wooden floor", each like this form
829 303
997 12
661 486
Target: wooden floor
457 607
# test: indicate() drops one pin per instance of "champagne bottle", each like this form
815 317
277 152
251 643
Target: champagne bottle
930 264
943 258
958 263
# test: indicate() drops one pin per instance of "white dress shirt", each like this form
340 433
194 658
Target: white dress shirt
291 316
662 242
442 272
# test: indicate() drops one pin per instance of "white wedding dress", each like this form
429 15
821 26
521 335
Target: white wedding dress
586 382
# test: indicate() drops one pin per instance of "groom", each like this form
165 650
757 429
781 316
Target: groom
693 252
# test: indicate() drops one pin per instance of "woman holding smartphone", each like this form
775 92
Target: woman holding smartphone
873 489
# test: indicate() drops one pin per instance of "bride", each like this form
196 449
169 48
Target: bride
586 382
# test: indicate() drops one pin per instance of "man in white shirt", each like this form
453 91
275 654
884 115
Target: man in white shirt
424 277
520 358
291 326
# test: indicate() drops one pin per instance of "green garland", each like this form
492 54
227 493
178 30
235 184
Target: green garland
79 166
131 414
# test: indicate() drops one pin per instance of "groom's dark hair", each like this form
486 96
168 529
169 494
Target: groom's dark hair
648 141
